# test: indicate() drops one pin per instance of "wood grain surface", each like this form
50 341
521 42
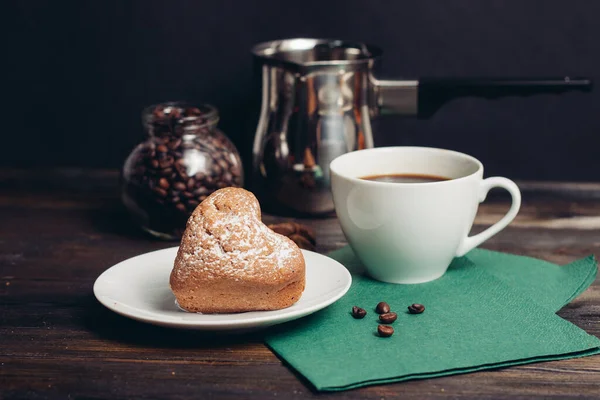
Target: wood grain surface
59 229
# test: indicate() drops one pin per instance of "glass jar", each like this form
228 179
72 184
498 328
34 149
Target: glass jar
184 159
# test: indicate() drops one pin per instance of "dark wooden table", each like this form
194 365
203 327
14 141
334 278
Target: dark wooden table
60 229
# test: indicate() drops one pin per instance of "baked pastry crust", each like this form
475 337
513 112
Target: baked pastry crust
229 261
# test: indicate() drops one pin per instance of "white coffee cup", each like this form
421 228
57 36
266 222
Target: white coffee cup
410 232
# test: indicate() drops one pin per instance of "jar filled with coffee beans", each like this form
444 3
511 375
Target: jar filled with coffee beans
185 158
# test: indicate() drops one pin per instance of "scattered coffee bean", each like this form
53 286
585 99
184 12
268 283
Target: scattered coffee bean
358 313
306 232
285 228
416 308
382 308
302 235
388 318
302 242
385 330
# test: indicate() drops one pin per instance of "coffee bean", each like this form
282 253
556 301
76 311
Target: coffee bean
358 313
416 308
166 162
154 164
163 183
159 191
385 330
175 113
192 111
382 308
302 242
223 164
166 171
162 148
180 168
158 112
388 318
187 195
193 203
284 228
216 169
307 232
173 144
179 186
180 131
190 184
180 207
200 191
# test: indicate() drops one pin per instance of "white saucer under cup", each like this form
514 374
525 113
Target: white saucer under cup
138 288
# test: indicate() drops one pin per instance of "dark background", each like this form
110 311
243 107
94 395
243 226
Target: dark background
79 73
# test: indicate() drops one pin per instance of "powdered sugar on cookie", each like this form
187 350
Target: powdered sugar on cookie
225 238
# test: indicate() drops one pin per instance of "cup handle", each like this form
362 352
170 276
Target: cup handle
471 242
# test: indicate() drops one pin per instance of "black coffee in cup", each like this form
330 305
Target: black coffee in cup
405 178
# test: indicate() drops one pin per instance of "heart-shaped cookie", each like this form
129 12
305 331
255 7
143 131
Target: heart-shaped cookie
229 261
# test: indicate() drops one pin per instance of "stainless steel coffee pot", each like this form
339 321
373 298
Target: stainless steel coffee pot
318 98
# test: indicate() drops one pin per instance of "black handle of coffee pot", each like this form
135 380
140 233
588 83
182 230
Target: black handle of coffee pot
435 92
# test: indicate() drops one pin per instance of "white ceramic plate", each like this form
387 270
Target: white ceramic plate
138 288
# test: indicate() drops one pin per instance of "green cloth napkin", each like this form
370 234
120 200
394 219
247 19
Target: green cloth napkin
547 284
489 310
